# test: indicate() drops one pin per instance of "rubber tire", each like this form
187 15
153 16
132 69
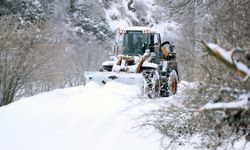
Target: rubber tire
156 92
172 83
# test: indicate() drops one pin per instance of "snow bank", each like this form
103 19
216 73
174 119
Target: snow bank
79 118
90 118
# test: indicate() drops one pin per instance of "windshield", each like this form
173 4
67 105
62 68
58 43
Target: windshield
134 43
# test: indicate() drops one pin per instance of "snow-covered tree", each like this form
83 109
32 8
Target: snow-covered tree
27 10
88 18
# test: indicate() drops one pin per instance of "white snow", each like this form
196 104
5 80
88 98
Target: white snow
119 16
167 29
244 68
122 77
79 118
121 20
243 103
227 55
90 118
229 105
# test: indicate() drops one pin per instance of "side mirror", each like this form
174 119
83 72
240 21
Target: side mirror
114 51
111 52
171 47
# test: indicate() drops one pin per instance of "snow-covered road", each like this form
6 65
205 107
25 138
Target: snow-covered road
90 118
79 118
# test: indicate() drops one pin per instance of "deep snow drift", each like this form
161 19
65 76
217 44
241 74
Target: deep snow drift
79 118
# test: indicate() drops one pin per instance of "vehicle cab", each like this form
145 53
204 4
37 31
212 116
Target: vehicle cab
134 41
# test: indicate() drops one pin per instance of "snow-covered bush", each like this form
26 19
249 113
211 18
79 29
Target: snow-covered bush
217 111
22 52
229 107
177 117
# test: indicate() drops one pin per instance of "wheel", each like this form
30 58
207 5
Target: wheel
172 83
151 83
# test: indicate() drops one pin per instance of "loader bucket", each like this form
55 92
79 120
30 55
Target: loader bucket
103 77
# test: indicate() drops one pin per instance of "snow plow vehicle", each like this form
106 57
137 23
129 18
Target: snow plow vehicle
140 58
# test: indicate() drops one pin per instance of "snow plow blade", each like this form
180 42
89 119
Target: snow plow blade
103 77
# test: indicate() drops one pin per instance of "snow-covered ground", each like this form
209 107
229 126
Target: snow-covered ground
79 118
90 117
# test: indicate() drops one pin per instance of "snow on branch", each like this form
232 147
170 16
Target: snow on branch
243 103
227 57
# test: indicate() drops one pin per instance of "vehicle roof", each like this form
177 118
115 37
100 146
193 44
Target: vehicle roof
138 28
